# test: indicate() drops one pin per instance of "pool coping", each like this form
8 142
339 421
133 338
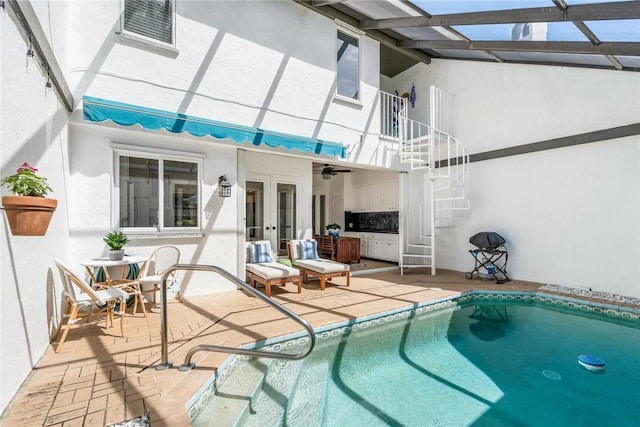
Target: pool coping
289 341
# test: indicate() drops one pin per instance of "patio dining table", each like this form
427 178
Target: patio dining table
93 264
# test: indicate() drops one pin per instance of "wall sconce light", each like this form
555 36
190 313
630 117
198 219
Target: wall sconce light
224 187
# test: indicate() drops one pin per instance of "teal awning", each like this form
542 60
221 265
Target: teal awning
100 110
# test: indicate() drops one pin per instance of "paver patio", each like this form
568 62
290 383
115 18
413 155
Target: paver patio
100 378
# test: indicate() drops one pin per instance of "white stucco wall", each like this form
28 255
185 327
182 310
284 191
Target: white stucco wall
571 216
237 62
33 129
90 193
246 62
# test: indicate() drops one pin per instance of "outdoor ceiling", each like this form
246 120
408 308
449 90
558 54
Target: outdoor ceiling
580 33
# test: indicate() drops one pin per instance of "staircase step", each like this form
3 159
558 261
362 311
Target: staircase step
411 255
233 398
416 266
276 389
306 406
419 245
414 160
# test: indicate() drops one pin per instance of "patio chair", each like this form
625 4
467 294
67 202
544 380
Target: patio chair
261 268
152 270
326 247
304 255
87 302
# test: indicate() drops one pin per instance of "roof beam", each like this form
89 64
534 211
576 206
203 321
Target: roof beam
376 35
582 12
607 48
320 3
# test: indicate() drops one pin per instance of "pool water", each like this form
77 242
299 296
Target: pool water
493 364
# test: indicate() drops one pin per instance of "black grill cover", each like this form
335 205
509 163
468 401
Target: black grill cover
487 240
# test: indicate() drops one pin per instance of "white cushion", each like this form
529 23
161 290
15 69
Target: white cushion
272 270
150 280
321 265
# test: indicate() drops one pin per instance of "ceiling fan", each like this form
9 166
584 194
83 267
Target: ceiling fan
328 171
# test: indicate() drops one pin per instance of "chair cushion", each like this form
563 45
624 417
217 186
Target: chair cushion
294 247
309 249
321 265
259 252
272 270
150 280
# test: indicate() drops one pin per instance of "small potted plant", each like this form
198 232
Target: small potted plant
333 229
28 210
116 240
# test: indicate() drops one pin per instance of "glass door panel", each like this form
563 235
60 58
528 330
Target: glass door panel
286 210
255 211
271 210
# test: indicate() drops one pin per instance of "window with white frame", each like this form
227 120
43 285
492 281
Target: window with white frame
151 19
158 193
348 66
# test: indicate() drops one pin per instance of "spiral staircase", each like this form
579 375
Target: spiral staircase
439 170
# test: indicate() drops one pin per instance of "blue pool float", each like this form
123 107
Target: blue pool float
591 363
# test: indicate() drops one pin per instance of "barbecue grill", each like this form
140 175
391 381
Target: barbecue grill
490 256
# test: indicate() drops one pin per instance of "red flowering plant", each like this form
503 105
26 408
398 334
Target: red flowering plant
25 182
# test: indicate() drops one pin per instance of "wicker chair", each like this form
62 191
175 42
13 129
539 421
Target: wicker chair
82 305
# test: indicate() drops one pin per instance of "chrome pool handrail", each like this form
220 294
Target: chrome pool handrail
187 365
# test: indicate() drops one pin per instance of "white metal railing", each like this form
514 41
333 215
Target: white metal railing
415 138
390 106
188 365
441 110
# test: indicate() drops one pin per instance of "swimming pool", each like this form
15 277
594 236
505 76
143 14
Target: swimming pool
499 360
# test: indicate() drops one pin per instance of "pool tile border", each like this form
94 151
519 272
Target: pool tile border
291 341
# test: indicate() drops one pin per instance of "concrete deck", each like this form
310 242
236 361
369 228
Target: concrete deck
100 378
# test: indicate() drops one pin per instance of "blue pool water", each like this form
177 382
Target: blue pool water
484 364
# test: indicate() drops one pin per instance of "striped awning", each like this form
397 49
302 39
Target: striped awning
100 110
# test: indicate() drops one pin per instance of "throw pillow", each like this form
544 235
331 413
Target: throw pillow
309 249
260 252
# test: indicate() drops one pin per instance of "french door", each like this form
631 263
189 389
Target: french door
271 210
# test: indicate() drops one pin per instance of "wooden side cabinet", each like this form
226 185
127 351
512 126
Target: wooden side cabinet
347 249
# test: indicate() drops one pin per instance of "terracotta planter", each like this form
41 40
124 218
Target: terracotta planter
28 215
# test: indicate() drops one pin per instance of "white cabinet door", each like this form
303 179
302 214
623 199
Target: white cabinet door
376 249
369 198
352 197
363 248
390 250
388 196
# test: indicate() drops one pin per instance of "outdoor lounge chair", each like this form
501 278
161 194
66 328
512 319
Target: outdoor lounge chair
304 255
88 302
261 268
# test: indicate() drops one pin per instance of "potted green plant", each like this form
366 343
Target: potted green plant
28 211
333 229
116 240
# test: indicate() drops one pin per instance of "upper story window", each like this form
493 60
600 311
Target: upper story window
348 66
151 19
158 193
